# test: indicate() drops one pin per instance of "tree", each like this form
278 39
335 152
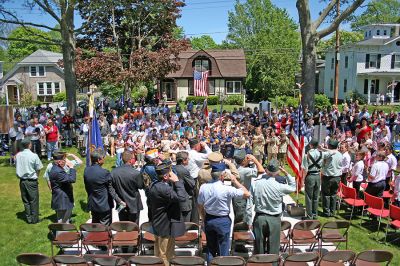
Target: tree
203 42
346 37
62 11
272 45
310 36
378 11
20 49
140 34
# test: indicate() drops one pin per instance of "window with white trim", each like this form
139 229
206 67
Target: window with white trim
48 88
233 87
396 61
37 71
211 86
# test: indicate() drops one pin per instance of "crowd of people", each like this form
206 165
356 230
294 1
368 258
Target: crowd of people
182 156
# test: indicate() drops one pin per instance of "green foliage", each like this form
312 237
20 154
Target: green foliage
60 97
234 99
346 37
284 101
20 49
203 42
211 100
111 90
273 43
138 92
378 11
356 96
322 101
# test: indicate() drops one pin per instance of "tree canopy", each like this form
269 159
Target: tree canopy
203 42
272 44
346 37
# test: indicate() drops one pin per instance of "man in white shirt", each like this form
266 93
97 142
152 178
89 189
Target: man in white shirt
392 163
377 176
197 158
35 131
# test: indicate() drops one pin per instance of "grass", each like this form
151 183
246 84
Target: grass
17 236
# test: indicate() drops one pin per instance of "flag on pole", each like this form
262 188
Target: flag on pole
296 146
91 105
205 111
200 83
94 140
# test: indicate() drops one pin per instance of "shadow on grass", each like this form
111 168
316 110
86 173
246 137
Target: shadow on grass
52 218
84 206
21 216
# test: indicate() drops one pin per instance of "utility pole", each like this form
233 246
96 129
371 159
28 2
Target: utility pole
337 56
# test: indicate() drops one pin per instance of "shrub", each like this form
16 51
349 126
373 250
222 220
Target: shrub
322 101
355 95
234 100
281 101
139 92
60 97
211 100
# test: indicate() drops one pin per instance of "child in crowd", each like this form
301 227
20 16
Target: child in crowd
119 149
283 145
357 171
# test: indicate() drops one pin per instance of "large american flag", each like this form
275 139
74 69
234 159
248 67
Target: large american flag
200 83
296 145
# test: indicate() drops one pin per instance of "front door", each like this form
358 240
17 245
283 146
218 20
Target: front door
397 91
169 87
12 94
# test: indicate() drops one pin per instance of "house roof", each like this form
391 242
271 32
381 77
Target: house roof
375 41
42 57
224 63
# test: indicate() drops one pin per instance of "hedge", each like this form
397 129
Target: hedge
214 100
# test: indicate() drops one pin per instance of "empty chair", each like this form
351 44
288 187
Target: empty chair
228 261
94 234
373 256
305 233
187 261
69 260
241 236
300 259
146 260
147 237
109 261
263 260
285 235
64 235
34 259
351 198
334 232
191 238
126 235
337 257
394 214
125 256
375 208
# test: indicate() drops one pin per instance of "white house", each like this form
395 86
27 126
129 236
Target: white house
370 67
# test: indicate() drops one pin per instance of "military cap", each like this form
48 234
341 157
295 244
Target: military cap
59 155
273 166
163 168
218 167
314 142
215 157
333 143
239 155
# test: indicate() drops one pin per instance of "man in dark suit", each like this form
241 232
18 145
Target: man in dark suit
127 181
182 159
101 194
164 198
62 197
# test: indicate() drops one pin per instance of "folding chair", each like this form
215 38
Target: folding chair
191 238
69 260
94 234
241 236
34 259
187 261
109 261
339 195
285 235
373 256
125 256
203 241
146 260
351 198
375 208
337 257
334 232
64 235
394 214
263 260
305 233
301 259
228 261
126 235
147 238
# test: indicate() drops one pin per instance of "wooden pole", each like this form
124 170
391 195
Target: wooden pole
336 92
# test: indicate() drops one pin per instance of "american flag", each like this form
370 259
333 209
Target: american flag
200 83
296 145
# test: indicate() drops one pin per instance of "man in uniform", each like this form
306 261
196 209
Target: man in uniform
267 196
28 166
312 164
164 198
331 174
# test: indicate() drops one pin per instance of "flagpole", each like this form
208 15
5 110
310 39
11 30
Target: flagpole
300 155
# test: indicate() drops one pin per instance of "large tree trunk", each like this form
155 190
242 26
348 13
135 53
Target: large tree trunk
308 71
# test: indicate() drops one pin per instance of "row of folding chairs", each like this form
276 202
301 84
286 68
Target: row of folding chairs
374 206
307 232
338 257
117 235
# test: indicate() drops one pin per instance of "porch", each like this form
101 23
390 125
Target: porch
375 84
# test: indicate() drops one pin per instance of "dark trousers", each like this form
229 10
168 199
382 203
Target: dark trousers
329 188
186 215
343 178
37 147
239 209
125 215
30 199
218 232
63 216
267 226
102 217
356 186
312 185
376 189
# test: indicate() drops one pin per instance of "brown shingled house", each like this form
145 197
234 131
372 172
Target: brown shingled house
227 73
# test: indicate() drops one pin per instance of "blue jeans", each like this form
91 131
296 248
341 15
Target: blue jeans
118 159
51 147
218 232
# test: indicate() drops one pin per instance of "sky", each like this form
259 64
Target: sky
199 17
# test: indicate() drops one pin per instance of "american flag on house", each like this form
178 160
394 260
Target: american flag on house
200 83
296 146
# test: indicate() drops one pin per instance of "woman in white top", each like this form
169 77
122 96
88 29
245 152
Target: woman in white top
346 161
357 171
113 135
377 176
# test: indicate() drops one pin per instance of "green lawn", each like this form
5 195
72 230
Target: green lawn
17 236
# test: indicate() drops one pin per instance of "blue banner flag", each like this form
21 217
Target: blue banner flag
94 138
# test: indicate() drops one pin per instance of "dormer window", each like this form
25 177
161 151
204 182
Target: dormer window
385 32
378 32
369 33
37 71
201 64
